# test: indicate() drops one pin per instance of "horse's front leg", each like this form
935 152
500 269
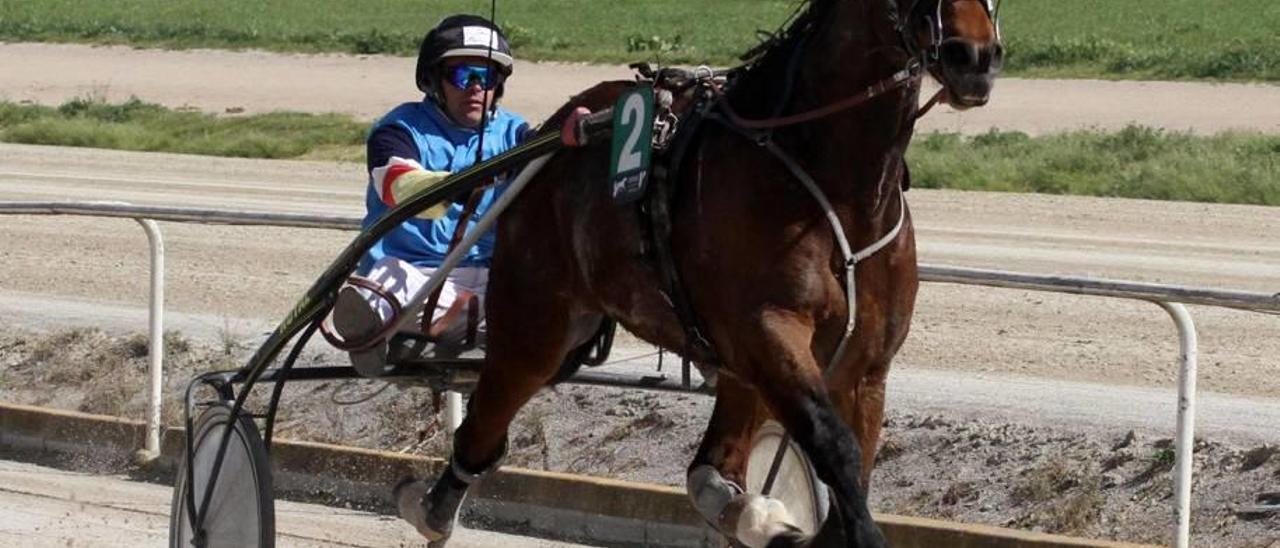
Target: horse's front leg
716 478
524 352
791 383
861 402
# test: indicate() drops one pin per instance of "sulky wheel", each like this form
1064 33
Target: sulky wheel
796 484
242 509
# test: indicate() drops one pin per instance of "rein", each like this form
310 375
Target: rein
898 79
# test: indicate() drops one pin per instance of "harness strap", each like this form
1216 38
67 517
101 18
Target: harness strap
659 217
851 259
898 79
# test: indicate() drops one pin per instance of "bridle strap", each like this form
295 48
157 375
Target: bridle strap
897 80
933 101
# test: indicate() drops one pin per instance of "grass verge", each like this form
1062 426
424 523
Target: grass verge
141 126
1136 162
1179 39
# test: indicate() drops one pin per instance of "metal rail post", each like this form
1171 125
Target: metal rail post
1185 441
155 331
453 410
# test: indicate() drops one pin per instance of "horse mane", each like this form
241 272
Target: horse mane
763 64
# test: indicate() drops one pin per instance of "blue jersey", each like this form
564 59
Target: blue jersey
422 133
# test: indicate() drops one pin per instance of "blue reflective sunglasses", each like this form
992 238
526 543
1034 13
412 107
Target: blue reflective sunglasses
464 75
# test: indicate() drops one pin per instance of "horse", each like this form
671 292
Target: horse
762 227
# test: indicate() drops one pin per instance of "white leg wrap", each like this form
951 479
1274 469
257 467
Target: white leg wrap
760 519
751 519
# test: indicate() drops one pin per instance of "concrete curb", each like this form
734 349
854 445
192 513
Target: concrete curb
573 508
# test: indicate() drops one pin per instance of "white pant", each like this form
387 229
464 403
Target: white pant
402 279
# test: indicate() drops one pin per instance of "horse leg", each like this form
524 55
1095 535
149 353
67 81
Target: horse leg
517 365
792 385
863 408
717 473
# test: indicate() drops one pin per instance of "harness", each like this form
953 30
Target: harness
708 103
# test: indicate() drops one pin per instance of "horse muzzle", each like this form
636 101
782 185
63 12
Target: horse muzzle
968 70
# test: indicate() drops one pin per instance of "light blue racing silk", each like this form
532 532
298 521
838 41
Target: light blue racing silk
441 146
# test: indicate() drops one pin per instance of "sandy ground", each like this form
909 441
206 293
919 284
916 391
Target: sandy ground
227 277
1087 459
226 283
46 507
367 86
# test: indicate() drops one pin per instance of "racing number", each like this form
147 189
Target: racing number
631 113
632 144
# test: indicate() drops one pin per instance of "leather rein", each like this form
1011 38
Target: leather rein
906 76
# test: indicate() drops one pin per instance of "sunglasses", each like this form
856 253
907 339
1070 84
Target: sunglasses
465 75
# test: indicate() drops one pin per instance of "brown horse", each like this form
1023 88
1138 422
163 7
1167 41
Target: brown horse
762 267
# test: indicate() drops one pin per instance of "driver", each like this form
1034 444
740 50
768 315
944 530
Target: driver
463 64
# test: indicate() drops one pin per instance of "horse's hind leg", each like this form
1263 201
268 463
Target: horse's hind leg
529 334
791 384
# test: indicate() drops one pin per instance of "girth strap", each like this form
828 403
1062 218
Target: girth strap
657 202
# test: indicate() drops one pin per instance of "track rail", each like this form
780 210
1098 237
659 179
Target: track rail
1171 298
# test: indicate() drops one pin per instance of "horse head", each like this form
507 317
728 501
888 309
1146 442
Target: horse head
958 42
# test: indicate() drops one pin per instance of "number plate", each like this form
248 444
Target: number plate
632 145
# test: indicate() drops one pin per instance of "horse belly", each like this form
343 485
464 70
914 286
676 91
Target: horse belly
615 262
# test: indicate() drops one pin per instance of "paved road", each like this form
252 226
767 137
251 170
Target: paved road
45 507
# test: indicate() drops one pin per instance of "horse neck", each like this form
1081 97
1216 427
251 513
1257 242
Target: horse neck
854 155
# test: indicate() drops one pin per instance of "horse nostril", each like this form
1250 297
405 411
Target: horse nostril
958 54
997 56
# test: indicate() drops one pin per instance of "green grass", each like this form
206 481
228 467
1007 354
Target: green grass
136 125
1168 39
1165 39
1136 162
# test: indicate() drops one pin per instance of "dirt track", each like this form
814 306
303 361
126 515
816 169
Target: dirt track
218 276
234 280
366 86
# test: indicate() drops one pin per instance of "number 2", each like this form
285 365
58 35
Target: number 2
629 158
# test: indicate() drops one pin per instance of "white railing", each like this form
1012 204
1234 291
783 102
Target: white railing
1171 298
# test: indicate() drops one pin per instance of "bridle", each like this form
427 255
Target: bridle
931 53
920 60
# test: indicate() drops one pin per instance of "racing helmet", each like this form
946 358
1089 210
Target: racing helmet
461 36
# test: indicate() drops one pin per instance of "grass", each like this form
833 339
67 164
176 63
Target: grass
1171 39
1176 39
1136 162
140 126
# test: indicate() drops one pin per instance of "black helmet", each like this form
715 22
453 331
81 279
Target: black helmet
459 36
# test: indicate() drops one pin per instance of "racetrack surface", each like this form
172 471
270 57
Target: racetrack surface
236 281
46 508
367 86
230 276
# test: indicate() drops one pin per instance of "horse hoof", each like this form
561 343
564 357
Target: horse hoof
410 495
789 539
759 521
